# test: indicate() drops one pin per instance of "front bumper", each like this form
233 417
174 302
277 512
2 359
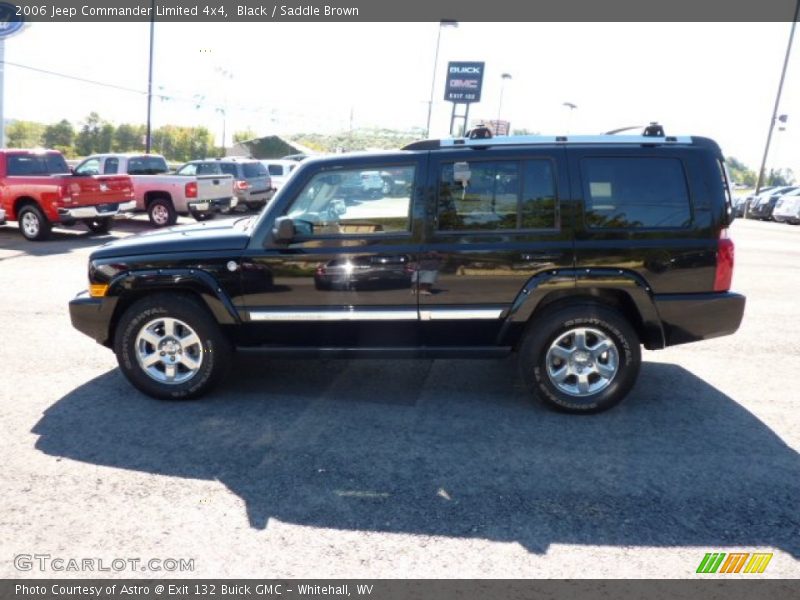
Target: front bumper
92 316
694 317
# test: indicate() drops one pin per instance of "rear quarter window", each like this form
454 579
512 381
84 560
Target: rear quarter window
635 193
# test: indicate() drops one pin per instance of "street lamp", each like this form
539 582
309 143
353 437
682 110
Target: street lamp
503 78
223 110
443 23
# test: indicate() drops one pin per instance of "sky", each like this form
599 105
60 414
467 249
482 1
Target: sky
715 80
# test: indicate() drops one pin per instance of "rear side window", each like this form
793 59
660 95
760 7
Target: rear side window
497 195
631 193
36 164
111 167
255 169
147 165
276 170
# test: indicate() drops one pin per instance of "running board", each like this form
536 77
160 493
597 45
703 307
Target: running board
424 352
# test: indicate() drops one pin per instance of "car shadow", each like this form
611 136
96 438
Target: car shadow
453 448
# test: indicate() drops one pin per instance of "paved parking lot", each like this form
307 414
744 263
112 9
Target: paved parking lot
390 469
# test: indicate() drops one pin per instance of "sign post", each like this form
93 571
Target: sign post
10 24
463 86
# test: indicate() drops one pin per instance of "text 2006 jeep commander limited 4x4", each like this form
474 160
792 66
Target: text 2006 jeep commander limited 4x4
569 251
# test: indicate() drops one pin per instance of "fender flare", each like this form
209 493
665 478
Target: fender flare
171 280
624 281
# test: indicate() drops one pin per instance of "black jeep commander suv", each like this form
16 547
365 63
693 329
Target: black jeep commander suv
570 251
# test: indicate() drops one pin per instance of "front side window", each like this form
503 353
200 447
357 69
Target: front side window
351 201
208 169
89 167
635 193
497 195
188 169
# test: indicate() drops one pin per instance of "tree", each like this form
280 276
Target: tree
59 136
128 138
780 177
24 134
739 172
87 140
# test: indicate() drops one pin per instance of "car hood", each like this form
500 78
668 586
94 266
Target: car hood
199 237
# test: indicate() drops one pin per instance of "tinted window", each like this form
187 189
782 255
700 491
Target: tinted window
255 169
147 165
111 167
344 202
635 192
36 164
229 169
276 170
488 195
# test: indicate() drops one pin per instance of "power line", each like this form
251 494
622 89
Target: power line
73 77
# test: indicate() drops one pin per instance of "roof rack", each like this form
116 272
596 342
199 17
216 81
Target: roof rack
481 137
529 140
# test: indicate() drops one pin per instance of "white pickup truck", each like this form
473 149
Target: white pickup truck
162 195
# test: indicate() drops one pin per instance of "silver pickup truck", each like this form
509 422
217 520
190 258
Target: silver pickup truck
162 195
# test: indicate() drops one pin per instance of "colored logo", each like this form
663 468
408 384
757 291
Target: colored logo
735 562
10 23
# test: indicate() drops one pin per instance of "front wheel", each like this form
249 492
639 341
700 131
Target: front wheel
100 225
582 358
169 347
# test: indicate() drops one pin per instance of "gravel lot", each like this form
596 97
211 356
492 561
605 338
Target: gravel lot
399 469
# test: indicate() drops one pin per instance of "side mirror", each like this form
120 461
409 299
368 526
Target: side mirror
283 231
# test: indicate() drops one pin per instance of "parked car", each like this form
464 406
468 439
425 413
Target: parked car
764 204
279 171
38 190
161 194
252 183
748 200
787 208
571 252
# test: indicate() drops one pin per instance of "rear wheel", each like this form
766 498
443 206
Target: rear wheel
33 224
580 358
161 212
256 206
169 347
100 225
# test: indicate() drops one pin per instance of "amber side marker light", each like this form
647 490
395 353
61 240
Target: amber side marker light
98 290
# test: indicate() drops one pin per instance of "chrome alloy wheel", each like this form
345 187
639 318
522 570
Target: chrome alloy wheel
582 361
169 351
31 224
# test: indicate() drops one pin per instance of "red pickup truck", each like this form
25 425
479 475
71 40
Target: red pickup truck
37 189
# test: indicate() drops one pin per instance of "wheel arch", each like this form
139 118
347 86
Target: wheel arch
17 205
625 291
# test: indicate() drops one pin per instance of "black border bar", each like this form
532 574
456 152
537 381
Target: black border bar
408 10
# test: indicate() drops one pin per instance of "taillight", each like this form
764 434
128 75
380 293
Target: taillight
242 185
724 273
191 189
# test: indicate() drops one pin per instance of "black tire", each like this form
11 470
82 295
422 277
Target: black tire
99 226
161 212
33 225
553 324
255 206
216 349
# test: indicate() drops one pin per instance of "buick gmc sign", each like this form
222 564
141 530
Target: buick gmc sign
464 82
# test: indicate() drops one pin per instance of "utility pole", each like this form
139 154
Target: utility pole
147 142
777 99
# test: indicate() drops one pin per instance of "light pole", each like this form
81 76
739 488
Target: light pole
147 140
777 100
442 23
11 24
223 110
503 78
571 108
